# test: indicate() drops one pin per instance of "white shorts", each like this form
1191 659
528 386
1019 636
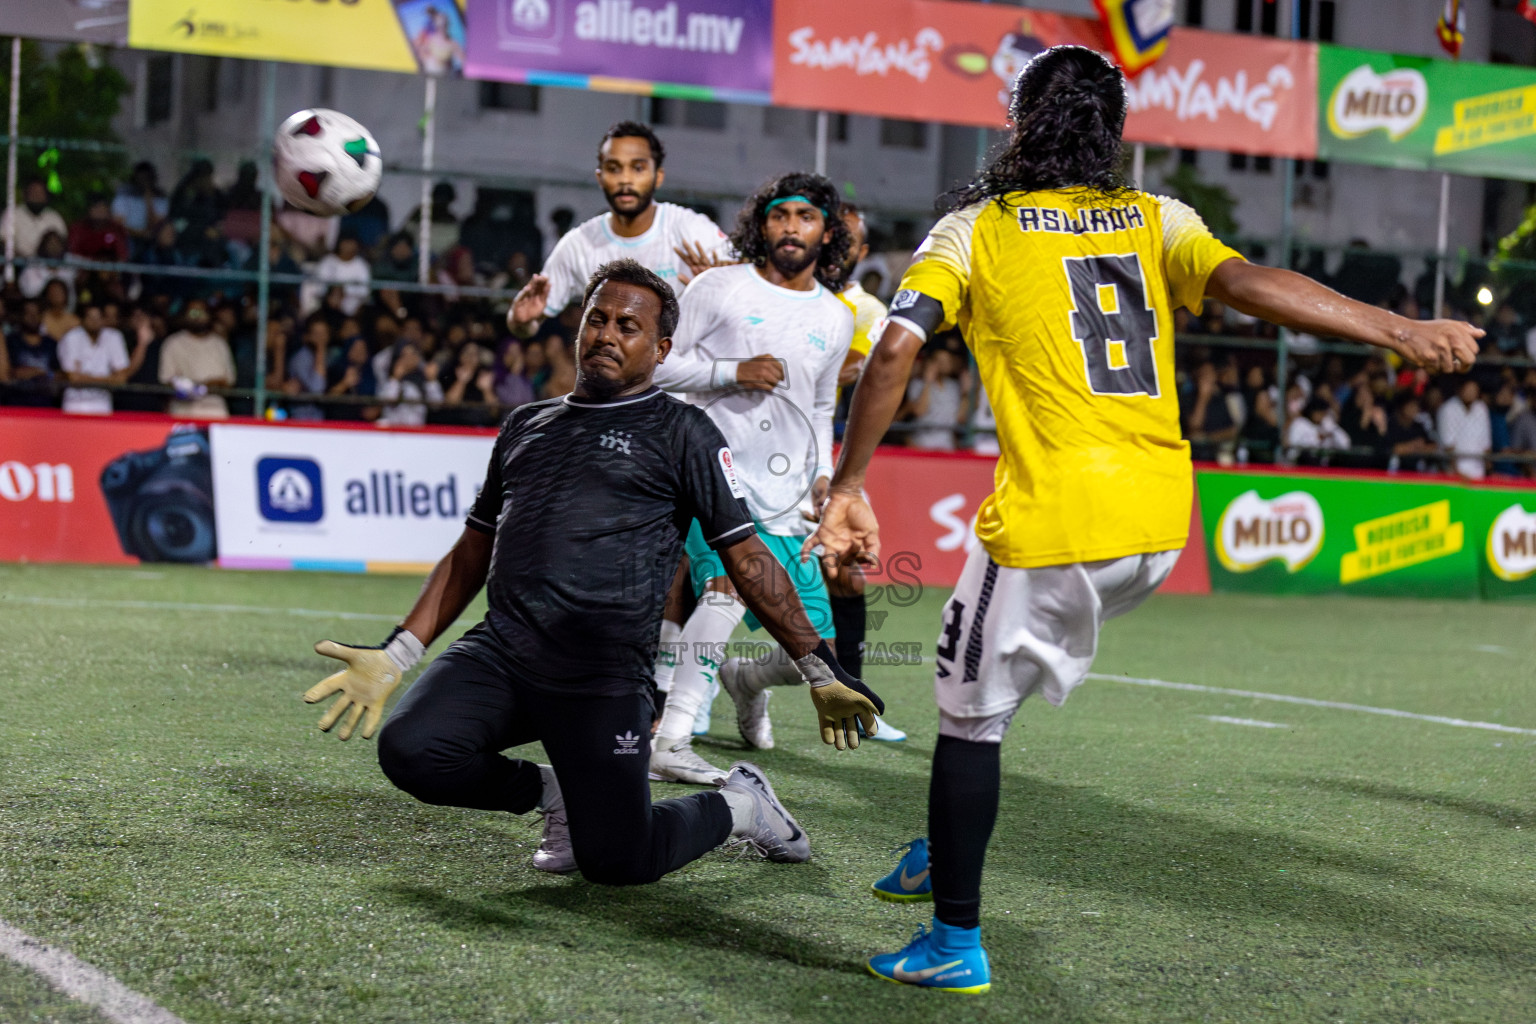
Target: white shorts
1008 633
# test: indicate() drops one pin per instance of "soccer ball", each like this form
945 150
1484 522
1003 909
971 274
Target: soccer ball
326 163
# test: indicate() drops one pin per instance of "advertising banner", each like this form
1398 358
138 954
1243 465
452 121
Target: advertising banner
342 500
1506 535
384 35
1241 93
1298 533
920 60
701 49
104 22
1423 114
94 489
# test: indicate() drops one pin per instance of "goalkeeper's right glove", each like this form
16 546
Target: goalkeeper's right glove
371 675
842 702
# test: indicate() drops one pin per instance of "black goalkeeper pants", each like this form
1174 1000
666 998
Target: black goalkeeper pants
442 745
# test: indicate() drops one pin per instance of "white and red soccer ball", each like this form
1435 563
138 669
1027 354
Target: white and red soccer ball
326 163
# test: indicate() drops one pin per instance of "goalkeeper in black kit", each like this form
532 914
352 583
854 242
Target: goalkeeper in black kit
576 536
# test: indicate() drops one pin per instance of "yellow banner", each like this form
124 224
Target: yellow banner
1489 119
1402 539
358 34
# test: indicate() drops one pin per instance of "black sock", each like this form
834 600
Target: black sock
962 808
848 620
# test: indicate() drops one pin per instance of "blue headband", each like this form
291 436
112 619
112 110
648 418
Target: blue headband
797 198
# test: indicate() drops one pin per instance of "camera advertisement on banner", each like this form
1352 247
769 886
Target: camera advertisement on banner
343 500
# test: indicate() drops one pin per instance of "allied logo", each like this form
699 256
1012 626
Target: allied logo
288 490
1364 101
1254 531
616 440
627 744
530 15
1512 544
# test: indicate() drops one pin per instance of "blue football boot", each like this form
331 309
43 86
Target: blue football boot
944 958
909 882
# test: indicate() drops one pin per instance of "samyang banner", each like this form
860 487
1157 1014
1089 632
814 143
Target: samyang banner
419 36
700 49
955 63
1422 114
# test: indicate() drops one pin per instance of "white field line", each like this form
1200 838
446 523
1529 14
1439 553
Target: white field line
1311 703
180 606
79 980
1253 722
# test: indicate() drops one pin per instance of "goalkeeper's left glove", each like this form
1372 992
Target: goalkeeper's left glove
371 675
842 701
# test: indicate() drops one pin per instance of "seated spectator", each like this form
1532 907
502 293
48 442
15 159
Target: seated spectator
58 319
1216 414
148 330
352 376
369 225
412 381
34 218
345 267
194 359
1409 440
471 393
35 277
443 232
307 368
98 235
245 193
457 270
1506 334
1259 435
1465 429
936 401
34 361
1315 429
92 355
140 205
1365 421
1522 436
308 235
197 204
511 385
162 251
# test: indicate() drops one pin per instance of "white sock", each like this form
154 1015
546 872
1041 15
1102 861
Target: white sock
666 654
741 810
704 637
551 798
757 674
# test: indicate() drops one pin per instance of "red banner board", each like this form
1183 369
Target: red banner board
52 504
928 60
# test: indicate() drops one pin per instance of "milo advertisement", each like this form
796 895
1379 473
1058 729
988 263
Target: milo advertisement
1424 114
1314 533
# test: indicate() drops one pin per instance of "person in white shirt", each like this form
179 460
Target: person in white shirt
345 267
1315 428
195 359
759 347
1465 429
93 353
672 241
34 219
410 385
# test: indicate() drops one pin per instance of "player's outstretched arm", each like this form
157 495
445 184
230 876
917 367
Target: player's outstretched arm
527 310
842 701
1300 303
848 531
372 673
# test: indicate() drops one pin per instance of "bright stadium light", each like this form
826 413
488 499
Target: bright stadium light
1485 296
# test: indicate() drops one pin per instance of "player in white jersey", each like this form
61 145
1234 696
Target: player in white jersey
759 347
672 241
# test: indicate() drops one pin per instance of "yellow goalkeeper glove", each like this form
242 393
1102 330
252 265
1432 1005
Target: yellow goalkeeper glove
842 701
371 675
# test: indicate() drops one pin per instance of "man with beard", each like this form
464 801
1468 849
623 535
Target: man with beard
672 241
777 309
574 537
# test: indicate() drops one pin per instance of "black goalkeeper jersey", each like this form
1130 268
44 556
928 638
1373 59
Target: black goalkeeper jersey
589 503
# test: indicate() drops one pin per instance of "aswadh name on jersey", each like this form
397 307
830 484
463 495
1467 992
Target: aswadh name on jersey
1095 221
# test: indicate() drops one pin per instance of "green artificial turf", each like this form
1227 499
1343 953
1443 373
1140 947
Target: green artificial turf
170 814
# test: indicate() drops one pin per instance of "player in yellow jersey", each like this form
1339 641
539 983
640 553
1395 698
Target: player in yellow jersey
1063 282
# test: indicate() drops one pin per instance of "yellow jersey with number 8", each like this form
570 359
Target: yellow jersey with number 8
1066 299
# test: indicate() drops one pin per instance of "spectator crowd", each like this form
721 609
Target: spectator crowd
350 338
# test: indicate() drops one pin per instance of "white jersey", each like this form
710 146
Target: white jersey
103 357
781 440
592 243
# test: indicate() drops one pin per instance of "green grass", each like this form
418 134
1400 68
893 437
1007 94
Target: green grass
169 813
